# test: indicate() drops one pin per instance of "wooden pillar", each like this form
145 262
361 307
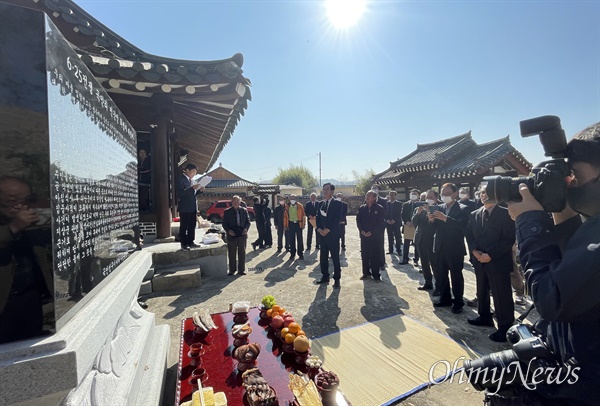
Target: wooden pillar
160 175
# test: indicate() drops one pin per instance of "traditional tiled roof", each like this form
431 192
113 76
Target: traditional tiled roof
206 98
229 183
453 157
266 189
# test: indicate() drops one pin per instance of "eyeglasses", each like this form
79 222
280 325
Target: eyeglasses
15 202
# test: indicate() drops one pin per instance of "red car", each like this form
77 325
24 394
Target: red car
216 211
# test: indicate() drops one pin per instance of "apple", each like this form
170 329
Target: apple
277 322
287 320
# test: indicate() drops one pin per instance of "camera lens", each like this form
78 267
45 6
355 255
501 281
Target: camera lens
485 372
506 189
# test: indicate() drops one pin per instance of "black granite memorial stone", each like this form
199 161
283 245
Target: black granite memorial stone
68 179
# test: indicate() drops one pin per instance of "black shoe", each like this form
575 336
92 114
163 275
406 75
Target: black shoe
363 277
230 273
472 302
322 280
308 249
185 248
442 304
278 250
498 336
192 245
481 321
253 246
425 287
301 257
242 273
403 262
457 309
416 261
336 284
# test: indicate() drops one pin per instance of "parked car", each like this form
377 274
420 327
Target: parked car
216 211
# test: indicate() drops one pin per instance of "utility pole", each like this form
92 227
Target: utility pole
320 182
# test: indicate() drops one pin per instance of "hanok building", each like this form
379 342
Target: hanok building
459 160
183 111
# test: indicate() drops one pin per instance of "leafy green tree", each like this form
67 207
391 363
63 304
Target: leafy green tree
298 175
363 182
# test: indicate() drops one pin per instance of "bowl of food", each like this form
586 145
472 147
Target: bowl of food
327 383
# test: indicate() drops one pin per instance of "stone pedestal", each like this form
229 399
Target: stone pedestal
110 353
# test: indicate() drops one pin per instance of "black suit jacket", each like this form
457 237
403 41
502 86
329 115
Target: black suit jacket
343 219
472 205
394 212
332 220
187 196
424 229
450 235
310 208
496 240
230 221
278 216
408 209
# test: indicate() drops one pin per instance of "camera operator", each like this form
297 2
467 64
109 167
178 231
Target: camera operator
562 264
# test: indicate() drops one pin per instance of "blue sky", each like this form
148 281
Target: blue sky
407 72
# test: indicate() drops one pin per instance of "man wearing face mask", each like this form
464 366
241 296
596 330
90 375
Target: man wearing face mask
463 196
278 220
293 222
450 222
383 203
311 212
408 209
424 242
562 268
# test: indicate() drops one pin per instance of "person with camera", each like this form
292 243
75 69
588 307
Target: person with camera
562 268
490 236
424 241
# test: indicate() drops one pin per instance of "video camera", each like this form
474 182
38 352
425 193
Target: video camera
547 183
528 363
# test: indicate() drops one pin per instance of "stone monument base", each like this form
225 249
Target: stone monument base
109 353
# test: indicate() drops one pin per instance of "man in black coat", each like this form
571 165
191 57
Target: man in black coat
491 236
393 222
278 220
268 236
343 220
310 209
424 234
383 203
187 206
370 223
408 209
259 219
236 223
328 225
450 222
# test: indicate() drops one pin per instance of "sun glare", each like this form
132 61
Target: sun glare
344 13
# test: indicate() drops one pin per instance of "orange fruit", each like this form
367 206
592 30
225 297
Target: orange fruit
276 308
289 338
284 332
269 312
300 333
282 310
294 327
274 313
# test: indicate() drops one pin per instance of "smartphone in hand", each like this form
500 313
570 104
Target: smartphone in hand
434 208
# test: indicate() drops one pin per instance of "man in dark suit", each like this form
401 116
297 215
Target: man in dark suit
424 241
463 195
383 203
328 225
278 220
408 209
236 223
491 236
370 223
310 208
393 222
450 222
187 206
343 220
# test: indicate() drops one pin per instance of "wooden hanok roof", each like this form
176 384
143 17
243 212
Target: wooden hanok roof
204 99
223 178
456 157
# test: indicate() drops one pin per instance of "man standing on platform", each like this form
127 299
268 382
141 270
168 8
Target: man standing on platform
343 220
236 223
408 209
187 206
393 222
293 223
278 220
450 222
328 225
311 214
370 223
491 236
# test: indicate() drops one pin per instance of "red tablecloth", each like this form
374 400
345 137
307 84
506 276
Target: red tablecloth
273 362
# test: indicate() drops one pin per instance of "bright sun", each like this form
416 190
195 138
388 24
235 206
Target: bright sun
345 13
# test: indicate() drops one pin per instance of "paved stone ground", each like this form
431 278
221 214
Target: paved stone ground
323 310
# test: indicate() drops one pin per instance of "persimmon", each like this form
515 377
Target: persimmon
300 333
284 332
269 312
294 327
289 338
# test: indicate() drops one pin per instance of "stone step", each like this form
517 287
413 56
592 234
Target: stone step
182 279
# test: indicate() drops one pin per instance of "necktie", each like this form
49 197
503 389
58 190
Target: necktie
237 216
326 206
486 217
